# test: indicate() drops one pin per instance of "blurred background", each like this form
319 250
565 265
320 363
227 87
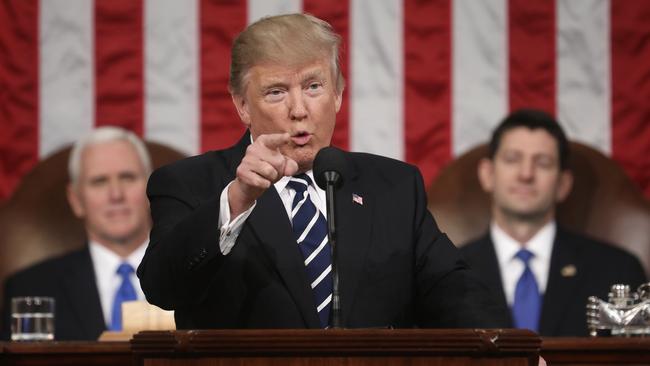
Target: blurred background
426 80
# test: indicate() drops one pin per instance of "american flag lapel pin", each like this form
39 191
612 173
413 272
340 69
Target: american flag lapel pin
357 199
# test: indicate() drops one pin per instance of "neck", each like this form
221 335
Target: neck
121 247
522 229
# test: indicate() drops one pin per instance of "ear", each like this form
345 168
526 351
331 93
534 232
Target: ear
338 99
75 201
564 186
242 109
485 171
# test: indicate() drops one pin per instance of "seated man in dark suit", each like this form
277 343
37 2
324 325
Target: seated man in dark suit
108 173
239 236
541 271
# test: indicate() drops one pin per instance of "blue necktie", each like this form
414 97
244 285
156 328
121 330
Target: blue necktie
126 292
310 230
528 302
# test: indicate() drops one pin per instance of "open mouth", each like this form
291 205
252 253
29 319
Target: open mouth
301 138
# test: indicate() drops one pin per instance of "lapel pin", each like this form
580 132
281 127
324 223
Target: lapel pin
569 270
357 199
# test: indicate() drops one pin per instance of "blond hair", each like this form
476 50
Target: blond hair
291 39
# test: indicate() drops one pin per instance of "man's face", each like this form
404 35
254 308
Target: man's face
301 100
524 177
110 193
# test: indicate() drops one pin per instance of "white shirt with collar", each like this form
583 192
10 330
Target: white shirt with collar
229 230
511 268
105 263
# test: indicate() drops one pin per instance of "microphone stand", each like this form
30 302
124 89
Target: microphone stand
331 177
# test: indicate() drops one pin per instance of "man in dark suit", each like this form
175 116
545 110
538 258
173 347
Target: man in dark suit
543 272
108 173
229 248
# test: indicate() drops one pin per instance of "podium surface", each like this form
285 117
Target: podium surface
338 347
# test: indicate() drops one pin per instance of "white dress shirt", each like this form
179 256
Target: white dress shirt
105 263
229 230
541 245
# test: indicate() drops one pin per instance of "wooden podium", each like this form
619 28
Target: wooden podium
337 347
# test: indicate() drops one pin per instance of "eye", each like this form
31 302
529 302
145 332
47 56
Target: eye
274 95
98 181
510 157
314 88
546 162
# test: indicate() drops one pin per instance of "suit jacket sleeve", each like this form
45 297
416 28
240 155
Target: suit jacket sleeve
448 292
183 252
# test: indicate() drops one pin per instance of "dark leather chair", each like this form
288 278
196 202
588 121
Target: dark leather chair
604 202
37 223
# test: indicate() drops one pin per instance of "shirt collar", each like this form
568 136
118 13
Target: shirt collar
282 183
106 261
541 244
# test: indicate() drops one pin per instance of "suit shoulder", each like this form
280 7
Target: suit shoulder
475 247
48 269
378 163
594 247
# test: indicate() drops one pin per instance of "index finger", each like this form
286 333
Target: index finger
274 140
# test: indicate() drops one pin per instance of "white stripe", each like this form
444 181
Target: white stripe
324 303
308 228
171 74
315 252
376 73
66 73
583 82
261 8
322 275
300 203
480 74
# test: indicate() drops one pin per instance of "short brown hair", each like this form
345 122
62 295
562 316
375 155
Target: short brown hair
291 39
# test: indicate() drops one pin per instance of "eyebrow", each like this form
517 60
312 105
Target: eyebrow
309 75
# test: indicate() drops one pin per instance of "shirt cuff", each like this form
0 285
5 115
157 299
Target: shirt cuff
229 230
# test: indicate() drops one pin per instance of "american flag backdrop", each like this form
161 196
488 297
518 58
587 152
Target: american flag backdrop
426 80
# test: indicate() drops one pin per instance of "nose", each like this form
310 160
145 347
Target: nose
116 191
297 107
527 170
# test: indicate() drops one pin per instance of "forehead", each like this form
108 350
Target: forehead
110 157
534 141
265 73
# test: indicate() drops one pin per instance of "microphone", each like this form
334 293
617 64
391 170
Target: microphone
329 171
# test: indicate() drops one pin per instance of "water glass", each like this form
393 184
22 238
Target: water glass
32 318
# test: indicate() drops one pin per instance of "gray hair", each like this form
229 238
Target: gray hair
101 135
290 39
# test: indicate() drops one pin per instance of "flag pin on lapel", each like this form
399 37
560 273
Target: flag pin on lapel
357 199
569 270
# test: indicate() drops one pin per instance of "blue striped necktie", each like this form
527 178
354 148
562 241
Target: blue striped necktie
528 302
126 292
310 230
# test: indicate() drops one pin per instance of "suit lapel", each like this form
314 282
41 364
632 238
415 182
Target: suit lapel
354 227
559 288
273 229
81 290
488 267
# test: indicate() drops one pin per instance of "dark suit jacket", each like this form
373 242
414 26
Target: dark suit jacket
396 267
597 267
70 279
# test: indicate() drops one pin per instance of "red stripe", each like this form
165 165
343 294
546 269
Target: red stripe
532 54
630 32
119 64
18 91
337 13
427 88
220 21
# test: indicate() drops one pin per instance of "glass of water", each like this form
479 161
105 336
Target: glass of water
32 318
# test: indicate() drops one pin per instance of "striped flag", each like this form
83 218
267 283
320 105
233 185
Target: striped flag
426 80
